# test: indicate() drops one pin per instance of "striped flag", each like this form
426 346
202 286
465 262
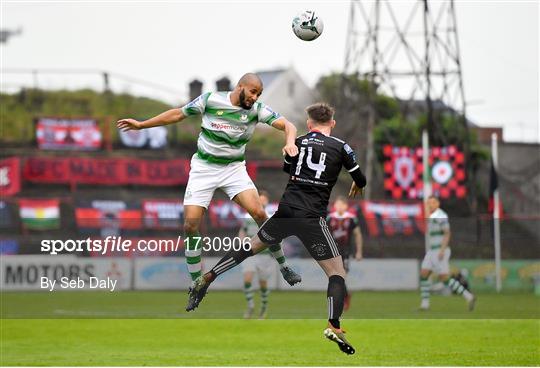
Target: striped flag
40 214
493 187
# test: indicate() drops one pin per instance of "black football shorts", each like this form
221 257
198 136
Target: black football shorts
312 231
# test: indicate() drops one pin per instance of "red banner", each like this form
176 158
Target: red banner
225 214
10 176
93 218
107 171
68 134
389 219
403 170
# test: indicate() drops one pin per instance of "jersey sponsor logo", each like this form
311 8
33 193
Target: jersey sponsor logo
227 127
316 182
312 140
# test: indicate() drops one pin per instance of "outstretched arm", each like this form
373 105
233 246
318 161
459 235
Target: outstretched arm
349 161
165 118
290 136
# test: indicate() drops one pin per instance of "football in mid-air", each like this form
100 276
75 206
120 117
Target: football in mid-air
307 25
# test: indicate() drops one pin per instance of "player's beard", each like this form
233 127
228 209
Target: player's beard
243 103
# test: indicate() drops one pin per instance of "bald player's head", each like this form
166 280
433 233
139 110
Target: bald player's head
250 78
249 88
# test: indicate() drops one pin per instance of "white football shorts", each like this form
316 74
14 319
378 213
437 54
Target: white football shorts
261 264
205 178
431 262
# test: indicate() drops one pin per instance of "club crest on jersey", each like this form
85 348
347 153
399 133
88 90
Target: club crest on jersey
220 112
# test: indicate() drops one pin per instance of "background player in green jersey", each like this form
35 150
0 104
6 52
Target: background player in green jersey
438 255
228 123
260 265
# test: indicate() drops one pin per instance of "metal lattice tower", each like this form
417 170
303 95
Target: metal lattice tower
410 51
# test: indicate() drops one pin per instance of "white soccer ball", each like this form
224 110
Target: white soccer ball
307 26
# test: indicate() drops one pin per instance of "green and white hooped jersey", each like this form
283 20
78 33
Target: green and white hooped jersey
437 224
226 128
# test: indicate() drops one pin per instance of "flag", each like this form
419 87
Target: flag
40 214
68 134
10 177
386 219
153 138
107 214
163 213
493 187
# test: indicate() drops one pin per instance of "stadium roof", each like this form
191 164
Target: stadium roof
268 76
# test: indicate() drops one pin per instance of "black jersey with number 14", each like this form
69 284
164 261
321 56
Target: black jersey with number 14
315 170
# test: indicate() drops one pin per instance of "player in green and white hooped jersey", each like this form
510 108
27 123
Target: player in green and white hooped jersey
259 264
228 122
438 255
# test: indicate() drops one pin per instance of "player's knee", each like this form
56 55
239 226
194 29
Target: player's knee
337 270
424 273
191 226
340 272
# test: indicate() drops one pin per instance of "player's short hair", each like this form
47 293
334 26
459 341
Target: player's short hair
264 193
342 199
434 197
320 112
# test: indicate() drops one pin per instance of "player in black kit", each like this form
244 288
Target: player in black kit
344 227
302 212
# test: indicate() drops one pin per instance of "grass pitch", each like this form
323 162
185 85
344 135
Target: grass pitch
504 330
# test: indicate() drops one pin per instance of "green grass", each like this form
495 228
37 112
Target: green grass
405 338
283 305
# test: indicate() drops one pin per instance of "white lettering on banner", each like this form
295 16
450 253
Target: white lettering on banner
36 272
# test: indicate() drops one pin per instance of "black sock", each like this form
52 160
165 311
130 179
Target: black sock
231 259
336 295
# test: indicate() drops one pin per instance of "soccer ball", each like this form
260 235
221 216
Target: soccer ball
307 26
